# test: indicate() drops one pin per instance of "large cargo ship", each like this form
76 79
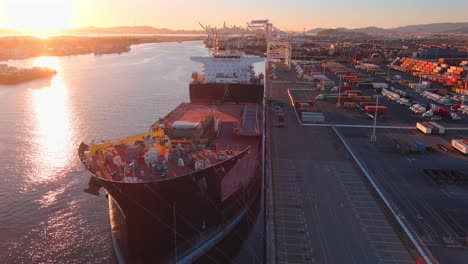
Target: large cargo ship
176 191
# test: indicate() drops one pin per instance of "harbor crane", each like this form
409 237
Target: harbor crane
279 45
210 32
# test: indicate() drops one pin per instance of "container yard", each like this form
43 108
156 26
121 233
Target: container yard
397 111
420 133
303 103
449 72
303 160
401 104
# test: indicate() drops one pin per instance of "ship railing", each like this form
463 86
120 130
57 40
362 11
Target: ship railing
257 125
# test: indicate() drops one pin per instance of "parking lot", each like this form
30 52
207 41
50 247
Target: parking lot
398 115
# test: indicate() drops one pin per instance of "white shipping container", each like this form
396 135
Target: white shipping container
460 146
417 85
441 128
312 117
380 85
320 77
423 128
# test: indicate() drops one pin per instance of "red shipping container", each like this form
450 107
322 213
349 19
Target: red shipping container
353 92
346 88
298 103
379 109
444 112
364 104
344 99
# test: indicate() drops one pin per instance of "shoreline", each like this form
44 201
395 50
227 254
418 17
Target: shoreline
15 75
24 47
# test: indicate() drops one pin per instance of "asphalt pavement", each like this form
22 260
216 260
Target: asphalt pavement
323 210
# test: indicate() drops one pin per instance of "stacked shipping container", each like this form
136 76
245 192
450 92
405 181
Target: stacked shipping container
447 71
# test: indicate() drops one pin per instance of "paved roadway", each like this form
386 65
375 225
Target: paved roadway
437 212
323 211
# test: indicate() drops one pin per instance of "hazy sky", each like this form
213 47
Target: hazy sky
184 14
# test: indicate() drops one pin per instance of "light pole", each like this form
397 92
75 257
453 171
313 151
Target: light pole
323 79
420 78
373 138
338 104
464 87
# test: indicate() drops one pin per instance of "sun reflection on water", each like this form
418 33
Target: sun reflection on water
49 62
52 133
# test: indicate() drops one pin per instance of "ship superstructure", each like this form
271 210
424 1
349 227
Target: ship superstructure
227 67
227 76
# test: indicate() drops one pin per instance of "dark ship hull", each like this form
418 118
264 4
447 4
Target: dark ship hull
178 220
209 93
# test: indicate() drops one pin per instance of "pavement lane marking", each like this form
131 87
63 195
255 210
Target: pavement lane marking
290 222
371 126
388 242
364 206
387 203
289 218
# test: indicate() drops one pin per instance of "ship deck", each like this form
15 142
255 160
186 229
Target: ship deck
234 135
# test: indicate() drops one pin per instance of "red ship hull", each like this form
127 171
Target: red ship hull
211 93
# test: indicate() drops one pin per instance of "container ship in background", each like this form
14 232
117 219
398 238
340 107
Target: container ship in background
179 189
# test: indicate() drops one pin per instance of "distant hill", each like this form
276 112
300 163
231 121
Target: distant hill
373 30
112 30
367 30
456 28
463 30
342 33
432 28
317 30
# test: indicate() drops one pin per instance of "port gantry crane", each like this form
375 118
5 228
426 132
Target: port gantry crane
212 36
279 44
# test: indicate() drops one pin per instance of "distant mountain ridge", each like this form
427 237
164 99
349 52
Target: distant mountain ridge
342 33
110 30
454 28
463 30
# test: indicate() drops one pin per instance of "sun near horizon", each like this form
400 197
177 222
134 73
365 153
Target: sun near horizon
37 16
49 16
